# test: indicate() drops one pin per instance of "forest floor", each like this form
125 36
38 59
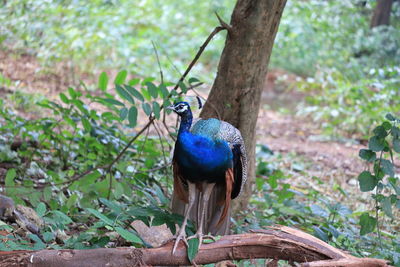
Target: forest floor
298 140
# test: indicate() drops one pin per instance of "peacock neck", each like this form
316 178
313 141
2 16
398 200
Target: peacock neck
186 122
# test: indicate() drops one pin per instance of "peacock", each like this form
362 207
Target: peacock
210 169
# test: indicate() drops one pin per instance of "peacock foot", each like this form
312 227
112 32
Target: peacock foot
201 237
178 238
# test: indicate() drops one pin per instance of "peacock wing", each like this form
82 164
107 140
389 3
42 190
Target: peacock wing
235 140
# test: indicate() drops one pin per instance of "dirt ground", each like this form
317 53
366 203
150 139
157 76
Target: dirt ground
331 161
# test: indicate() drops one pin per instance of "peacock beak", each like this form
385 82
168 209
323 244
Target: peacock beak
172 107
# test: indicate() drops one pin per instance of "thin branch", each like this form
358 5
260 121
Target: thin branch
224 24
161 142
216 30
172 63
142 148
158 62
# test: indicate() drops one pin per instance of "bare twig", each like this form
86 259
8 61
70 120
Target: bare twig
158 62
141 149
224 24
213 33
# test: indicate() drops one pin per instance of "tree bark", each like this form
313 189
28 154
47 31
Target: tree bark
276 243
236 93
381 14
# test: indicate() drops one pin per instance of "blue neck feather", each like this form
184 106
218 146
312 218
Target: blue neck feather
186 122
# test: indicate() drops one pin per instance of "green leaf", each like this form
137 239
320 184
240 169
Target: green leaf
72 200
38 242
387 167
183 87
194 80
367 154
113 102
134 81
134 92
393 183
102 217
153 90
123 112
127 235
132 116
396 145
86 124
111 205
387 126
61 217
156 110
146 108
64 98
72 92
120 78
395 132
367 223
380 131
10 176
103 81
390 117
379 174
48 236
146 94
386 204
41 209
193 249
376 144
367 181
124 94
89 179
320 234
163 91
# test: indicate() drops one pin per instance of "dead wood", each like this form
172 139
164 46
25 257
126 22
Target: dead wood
278 242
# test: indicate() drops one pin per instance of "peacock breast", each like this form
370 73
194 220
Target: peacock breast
201 157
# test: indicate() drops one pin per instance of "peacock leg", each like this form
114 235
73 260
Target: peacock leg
206 197
182 231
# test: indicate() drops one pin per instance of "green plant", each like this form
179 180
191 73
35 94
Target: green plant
277 201
79 162
381 179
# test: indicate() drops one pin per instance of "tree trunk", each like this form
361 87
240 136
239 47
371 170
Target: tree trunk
381 14
236 93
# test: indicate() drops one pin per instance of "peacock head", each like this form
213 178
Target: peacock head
181 108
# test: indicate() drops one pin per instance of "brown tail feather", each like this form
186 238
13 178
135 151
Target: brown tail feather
179 189
229 180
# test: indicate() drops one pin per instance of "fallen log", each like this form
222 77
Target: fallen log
278 243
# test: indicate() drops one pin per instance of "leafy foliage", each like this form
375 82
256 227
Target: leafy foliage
86 33
318 35
387 193
66 166
278 202
350 107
